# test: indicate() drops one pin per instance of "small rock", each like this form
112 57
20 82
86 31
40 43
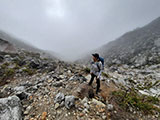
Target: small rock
69 71
20 88
34 64
44 116
115 112
99 103
69 101
110 107
86 105
59 111
57 84
50 80
28 110
85 100
56 105
85 111
59 98
79 78
104 117
62 76
62 104
22 95
81 114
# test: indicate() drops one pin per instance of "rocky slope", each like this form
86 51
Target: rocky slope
138 47
5 46
34 88
12 44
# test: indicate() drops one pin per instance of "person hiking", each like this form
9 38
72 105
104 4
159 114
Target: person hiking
96 70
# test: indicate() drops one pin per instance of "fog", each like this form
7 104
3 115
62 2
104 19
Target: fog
73 27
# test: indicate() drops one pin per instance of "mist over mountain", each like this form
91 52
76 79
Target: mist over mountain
138 47
40 38
72 28
9 43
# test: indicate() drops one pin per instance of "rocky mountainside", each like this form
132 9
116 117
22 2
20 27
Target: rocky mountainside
5 46
16 42
38 89
33 87
12 44
140 46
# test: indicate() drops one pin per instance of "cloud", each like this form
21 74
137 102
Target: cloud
73 27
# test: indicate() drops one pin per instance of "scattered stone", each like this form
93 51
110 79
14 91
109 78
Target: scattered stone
110 107
34 64
62 104
81 114
28 110
85 100
99 103
79 78
19 89
57 105
22 95
69 102
85 110
58 84
62 76
86 105
59 111
44 116
104 117
59 98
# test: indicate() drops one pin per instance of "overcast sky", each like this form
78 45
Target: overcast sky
72 27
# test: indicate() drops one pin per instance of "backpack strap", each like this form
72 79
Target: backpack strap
98 67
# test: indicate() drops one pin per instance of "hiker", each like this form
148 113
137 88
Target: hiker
96 70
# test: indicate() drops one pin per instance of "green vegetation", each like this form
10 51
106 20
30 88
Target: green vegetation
157 82
4 65
87 70
106 75
8 73
131 81
28 71
147 85
139 102
16 67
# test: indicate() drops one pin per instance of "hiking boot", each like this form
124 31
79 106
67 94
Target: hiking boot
89 84
97 91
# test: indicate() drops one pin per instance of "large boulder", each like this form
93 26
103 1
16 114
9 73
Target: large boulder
84 90
10 108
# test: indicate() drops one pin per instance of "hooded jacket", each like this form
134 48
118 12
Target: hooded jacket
96 68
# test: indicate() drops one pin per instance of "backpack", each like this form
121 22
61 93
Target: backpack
102 61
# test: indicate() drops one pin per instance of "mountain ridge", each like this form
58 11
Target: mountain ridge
17 44
139 47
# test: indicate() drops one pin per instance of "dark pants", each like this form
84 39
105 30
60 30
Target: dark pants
97 81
